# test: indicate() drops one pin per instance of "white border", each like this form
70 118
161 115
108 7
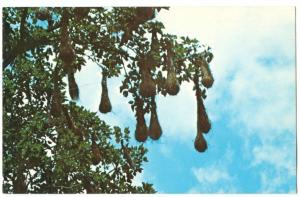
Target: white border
98 3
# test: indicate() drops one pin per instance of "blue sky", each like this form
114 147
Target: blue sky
252 106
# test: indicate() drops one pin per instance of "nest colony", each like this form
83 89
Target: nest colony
146 88
203 123
67 56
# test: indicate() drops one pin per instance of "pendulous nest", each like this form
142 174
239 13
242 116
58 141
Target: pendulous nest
172 84
200 142
147 87
141 132
105 105
73 88
155 130
207 78
66 53
203 123
96 153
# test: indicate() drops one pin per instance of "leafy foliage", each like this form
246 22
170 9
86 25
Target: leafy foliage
51 145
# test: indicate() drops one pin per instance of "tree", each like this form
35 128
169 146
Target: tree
51 145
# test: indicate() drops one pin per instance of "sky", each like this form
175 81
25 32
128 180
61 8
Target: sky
251 105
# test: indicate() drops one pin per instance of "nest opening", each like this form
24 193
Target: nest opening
200 143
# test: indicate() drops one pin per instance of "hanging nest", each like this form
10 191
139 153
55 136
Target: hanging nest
66 53
200 142
203 123
207 78
154 54
141 132
105 105
155 130
172 84
43 14
96 153
147 86
73 88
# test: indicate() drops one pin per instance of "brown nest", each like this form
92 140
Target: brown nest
141 129
96 153
203 123
207 78
147 87
73 88
105 105
66 53
155 130
200 143
141 132
172 84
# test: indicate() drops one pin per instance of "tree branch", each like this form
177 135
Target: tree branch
23 24
22 47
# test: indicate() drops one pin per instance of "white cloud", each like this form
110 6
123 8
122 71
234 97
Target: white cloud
278 155
216 177
213 179
210 175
